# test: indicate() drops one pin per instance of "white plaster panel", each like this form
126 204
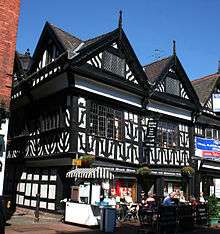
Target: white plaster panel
107 91
51 206
52 192
169 110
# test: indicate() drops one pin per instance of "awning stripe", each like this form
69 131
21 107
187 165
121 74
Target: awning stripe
93 173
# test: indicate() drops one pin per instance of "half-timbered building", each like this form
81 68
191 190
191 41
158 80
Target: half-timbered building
207 135
77 97
92 97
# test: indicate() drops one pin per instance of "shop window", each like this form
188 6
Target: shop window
167 135
105 122
113 64
172 86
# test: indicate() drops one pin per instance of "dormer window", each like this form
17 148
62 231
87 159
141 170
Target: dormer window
172 86
113 63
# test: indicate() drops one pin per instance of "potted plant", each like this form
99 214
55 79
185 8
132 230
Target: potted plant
87 160
187 171
213 210
143 175
143 171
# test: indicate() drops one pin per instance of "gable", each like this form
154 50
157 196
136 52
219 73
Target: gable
113 60
209 105
47 54
172 85
52 43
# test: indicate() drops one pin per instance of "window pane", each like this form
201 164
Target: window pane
105 122
167 135
113 63
172 86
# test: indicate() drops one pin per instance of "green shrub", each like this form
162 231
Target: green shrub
213 209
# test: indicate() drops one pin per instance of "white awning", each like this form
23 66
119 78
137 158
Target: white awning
91 173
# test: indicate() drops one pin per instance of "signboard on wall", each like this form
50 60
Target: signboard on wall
216 102
207 148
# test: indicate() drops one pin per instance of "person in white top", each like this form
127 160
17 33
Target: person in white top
201 198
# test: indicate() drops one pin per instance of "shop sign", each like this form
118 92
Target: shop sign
207 148
76 162
216 102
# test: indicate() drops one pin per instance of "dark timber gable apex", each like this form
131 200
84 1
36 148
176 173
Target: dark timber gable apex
75 54
92 51
170 67
56 37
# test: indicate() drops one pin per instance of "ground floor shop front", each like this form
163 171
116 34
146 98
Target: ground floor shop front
32 184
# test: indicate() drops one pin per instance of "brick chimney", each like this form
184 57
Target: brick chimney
9 13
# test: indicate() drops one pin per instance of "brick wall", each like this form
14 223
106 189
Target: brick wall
9 13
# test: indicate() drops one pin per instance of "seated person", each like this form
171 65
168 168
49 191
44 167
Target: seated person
169 200
150 201
201 198
128 199
182 199
112 201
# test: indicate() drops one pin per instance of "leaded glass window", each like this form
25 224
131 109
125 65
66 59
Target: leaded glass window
172 86
113 64
168 135
105 122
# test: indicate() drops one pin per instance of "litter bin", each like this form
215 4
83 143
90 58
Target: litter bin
110 219
102 218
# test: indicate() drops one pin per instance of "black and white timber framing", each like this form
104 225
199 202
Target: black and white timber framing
94 97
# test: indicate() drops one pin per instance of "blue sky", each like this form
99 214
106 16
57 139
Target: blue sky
149 24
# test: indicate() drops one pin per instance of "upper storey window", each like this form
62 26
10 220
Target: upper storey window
172 86
167 135
113 63
50 53
105 122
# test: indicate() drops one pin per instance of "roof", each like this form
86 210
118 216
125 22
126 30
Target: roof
72 42
154 70
68 40
204 86
95 39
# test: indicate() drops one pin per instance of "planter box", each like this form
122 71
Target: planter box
213 221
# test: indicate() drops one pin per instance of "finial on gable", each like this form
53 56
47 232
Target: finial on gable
120 20
120 25
174 47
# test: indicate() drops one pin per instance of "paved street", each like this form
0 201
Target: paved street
26 225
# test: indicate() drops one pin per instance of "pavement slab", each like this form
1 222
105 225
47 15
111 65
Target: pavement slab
26 225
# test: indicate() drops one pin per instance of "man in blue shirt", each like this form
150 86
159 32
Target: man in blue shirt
168 201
